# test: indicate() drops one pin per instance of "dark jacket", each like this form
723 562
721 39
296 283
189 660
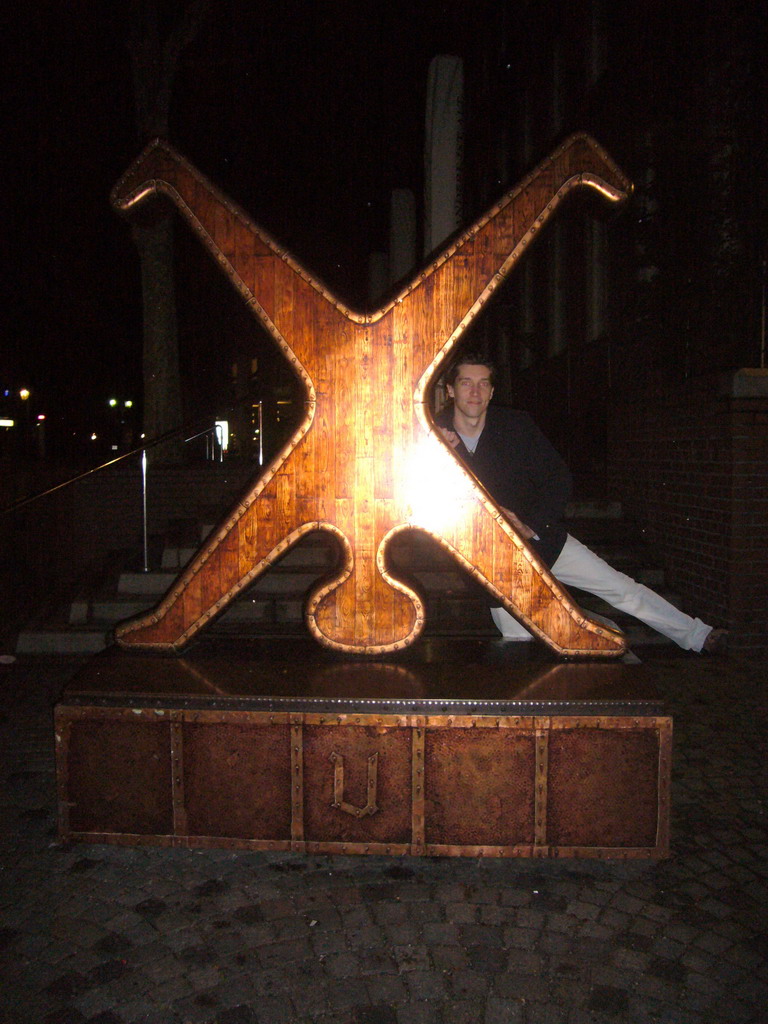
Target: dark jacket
522 472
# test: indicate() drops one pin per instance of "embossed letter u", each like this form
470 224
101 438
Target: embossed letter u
338 787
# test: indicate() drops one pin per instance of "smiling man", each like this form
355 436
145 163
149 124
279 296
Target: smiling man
529 481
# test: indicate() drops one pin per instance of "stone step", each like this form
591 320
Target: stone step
311 552
275 602
277 580
63 640
287 621
280 593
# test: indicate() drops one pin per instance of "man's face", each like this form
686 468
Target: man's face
472 390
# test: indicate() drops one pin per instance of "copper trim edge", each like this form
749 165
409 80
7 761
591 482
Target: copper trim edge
541 783
375 848
418 737
664 787
62 726
339 803
183 842
180 824
297 783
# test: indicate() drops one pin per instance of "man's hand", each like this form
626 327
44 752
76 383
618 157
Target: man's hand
525 531
450 436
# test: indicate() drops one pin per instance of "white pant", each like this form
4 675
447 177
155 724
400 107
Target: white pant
577 566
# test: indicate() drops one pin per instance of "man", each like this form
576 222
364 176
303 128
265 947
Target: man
529 481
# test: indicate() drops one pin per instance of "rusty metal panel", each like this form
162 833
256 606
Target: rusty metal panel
418 801
480 786
119 775
603 787
346 798
665 786
411 774
237 779
549 786
542 779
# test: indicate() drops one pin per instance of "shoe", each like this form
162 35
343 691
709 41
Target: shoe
716 642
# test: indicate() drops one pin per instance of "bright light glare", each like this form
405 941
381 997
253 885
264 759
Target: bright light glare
222 434
438 494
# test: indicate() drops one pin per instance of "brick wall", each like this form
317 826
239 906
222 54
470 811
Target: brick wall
690 464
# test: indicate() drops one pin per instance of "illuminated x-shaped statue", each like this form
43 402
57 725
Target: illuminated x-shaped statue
366 461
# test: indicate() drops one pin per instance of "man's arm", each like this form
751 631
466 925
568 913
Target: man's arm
452 439
525 531
450 436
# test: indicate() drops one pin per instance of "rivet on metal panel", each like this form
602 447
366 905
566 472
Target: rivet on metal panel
541 788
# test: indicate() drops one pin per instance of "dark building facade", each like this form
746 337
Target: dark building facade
637 339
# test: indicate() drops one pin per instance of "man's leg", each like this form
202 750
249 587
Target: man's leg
577 566
508 625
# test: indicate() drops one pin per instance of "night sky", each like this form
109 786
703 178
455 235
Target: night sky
305 114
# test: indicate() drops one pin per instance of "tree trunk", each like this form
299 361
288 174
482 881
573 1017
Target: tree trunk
162 380
155 61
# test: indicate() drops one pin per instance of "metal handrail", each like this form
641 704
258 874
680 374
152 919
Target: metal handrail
169 435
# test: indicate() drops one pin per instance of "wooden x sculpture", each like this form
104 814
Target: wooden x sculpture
366 461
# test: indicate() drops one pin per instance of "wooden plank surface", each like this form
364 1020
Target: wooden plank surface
367 379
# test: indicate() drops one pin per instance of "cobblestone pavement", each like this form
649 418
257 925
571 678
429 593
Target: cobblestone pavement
107 935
